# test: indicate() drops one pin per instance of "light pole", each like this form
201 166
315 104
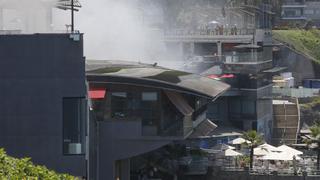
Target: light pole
72 16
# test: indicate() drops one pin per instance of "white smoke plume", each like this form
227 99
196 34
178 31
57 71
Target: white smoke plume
122 30
29 16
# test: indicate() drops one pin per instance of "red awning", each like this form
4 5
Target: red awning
227 76
97 93
214 76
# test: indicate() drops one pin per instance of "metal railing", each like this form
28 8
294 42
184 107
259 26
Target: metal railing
209 32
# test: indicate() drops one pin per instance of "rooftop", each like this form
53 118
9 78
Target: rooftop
133 73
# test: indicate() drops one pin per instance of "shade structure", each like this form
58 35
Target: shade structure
289 150
280 156
260 151
239 140
231 153
265 149
269 147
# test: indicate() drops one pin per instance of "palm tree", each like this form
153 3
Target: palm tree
315 138
255 140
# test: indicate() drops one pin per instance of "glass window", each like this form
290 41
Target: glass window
149 96
235 106
74 116
248 107
118 104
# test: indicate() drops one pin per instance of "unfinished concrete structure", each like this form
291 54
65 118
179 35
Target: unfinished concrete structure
286 123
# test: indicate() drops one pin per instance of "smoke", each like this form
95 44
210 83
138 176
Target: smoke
29 16
122 30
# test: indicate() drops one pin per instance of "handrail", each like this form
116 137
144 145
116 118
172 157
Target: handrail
209 32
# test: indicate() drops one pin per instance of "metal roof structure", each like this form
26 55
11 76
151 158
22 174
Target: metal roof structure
119 72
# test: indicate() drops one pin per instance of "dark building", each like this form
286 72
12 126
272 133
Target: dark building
43 100
133 108
137 108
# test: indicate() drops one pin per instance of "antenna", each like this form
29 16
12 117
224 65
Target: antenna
72 5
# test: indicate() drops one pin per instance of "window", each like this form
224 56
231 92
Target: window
119 104
149 96
149 109
248 107
74 119
309 11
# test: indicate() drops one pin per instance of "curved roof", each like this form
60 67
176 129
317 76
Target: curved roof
122 72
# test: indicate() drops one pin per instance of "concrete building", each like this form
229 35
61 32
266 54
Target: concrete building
299 11
235 46
286 125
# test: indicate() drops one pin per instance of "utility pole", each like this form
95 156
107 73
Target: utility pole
72 16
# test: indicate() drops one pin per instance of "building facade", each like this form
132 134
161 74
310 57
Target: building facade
234 45
137 108
43 100
299 11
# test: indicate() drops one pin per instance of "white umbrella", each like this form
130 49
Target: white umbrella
269 147
289 150
260 151
282 156
239 140
231 153
213 22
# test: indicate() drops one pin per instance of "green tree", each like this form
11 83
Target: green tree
315 139
17 169
255 140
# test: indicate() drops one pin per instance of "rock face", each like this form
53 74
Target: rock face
300 66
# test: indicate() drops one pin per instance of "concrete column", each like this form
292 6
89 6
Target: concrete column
219 47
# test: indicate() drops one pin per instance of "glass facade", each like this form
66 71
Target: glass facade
74 119
248 55
158 115
242 108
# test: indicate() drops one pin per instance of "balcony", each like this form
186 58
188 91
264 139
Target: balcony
210 35
246 62
293 4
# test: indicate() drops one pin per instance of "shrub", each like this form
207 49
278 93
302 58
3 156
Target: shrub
23 169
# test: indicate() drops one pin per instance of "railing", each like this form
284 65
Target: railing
246 57
295 92
209 32
292 2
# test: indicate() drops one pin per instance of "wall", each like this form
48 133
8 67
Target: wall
300 66
36 72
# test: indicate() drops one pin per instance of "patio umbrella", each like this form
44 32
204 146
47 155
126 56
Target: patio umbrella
289 150
231 153
281 156
258 151
239 141
269 147
213 22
